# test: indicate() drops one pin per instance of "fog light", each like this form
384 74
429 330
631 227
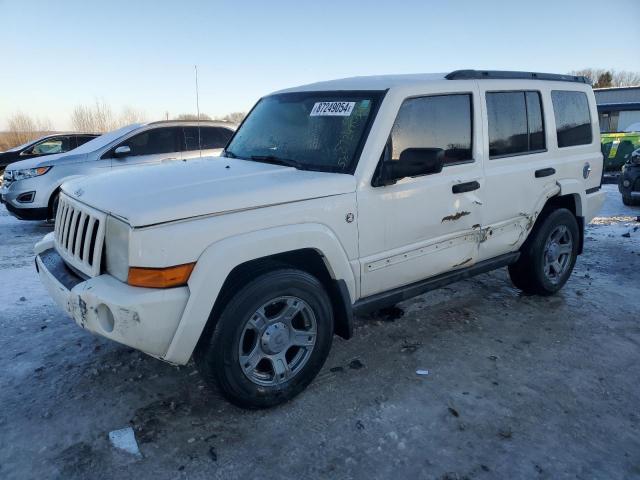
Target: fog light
105 318
26 197
626 183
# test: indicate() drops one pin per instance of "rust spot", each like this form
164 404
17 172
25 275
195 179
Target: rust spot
461 263
455 216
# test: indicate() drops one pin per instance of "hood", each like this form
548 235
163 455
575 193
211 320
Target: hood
148 195
47 160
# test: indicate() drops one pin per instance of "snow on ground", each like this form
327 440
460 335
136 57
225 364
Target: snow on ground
519 387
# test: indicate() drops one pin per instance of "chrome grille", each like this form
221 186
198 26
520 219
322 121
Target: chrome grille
79 235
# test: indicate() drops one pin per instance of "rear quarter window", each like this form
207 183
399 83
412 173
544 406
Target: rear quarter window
573 120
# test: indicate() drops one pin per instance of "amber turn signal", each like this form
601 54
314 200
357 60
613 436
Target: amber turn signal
160 277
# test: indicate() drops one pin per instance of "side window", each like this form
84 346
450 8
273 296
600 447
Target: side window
441 123
191 138
81 140
50 146
157 140
213 137
515 123
210 137
573 120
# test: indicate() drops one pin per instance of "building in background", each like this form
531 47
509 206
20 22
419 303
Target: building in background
619 115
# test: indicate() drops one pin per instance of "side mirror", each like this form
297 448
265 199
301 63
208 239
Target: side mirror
413 162
122 151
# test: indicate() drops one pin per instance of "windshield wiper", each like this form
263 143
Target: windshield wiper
230 154
277 161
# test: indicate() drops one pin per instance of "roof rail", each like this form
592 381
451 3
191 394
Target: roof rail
501 74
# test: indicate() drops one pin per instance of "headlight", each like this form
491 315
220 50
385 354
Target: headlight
29 173
116 244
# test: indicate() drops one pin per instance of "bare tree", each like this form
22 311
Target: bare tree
23 128
626 79
130 115
94 118
192 116
234 117
99 117
591 74
601 77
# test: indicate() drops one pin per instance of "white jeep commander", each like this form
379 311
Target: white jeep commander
331 199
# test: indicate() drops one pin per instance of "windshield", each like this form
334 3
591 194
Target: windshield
24 145
309 130
105 139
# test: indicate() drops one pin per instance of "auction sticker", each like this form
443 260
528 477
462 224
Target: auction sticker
332 109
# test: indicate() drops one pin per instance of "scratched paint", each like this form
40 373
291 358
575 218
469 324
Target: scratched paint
455 216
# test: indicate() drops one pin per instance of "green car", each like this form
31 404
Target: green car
619 133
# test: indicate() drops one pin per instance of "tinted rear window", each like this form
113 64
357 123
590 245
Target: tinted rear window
515 123
573 120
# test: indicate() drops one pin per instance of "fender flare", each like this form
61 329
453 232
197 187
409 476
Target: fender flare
218 260
58 185
575 188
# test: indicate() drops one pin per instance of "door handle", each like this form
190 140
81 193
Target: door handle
545 172
465 187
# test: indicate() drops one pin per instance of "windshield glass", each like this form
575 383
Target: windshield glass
309 130
24 145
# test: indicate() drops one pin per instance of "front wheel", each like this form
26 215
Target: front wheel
53 207
270 341
549 254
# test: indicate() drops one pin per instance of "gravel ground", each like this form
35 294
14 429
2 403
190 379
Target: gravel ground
518 386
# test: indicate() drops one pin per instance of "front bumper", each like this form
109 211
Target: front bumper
24 211
27 213
142 318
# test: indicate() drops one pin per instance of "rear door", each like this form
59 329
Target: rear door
149 147
519 168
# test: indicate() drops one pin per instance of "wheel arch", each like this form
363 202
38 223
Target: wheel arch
570 196
225 265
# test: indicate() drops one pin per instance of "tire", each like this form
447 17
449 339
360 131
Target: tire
256 323
629 201
555 238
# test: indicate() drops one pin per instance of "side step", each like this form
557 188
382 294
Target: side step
391 297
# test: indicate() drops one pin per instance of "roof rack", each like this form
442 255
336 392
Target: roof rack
501 74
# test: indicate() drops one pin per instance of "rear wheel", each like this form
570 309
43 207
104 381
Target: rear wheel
270 340
629 201
548 256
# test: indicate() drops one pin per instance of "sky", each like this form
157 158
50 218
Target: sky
141 54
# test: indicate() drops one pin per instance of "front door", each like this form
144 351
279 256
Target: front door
149 147
422 226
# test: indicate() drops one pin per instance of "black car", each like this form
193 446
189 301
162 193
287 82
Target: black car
629 183
48 145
